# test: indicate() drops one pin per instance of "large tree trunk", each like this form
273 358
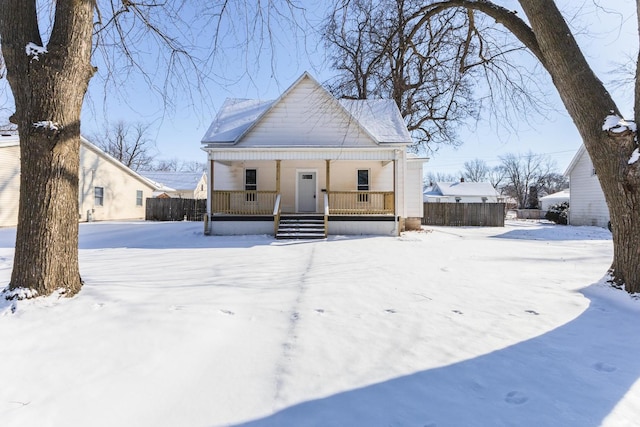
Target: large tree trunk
48 88
589 104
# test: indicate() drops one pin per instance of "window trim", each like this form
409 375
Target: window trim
139 198
98 196
363 198
251 197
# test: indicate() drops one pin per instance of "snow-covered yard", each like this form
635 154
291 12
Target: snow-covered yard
446 327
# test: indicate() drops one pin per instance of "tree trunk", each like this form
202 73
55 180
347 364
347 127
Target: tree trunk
48 86
589 104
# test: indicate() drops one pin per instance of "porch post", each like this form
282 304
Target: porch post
210 207
278 176
328 179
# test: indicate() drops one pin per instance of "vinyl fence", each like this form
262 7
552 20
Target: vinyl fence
175 209
464 214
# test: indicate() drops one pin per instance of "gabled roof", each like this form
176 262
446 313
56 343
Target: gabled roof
575 160
379 119
174 181
12 140
461 189
562 194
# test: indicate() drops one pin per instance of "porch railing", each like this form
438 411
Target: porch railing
361 203
243 202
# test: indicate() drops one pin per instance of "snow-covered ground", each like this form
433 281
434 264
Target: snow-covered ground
446 327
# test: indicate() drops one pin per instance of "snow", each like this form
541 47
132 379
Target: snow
34 51
174 181
635 156
445 327
234 118
616 124
380 117
47 124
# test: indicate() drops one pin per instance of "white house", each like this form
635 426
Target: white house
554 199
462 192
587 205
108 190
342 164
184 185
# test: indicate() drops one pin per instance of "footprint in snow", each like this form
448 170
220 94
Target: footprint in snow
532 312
319 310
457 312
227 312
516 398
604 367
390 311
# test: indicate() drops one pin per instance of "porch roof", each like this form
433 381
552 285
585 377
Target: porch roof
304 153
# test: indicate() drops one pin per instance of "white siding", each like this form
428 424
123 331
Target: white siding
587 205
307 116
413 190
9 185
120 187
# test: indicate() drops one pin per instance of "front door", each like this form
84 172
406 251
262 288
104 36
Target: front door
306 191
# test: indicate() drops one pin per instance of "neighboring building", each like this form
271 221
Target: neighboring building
587 205
108 190
554 199
462 192
184 185
342 161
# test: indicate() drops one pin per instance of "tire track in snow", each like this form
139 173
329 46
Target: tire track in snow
288 346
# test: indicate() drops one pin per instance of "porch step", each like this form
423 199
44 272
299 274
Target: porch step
301 227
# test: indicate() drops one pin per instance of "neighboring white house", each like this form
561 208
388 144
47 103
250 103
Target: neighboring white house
108 190
185 185
461 192
343 161
587 205
554 199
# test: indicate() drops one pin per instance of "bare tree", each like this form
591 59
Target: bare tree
177 165
47 52
476 170
433 177
610 141
380 53
525 174
129 143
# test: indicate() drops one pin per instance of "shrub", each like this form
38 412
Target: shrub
558 213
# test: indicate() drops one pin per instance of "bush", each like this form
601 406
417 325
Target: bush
558 213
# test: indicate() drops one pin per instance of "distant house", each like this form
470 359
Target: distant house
554 199
587 205
108 190
461 192
310 161
184 185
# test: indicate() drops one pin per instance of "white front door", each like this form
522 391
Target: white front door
306 192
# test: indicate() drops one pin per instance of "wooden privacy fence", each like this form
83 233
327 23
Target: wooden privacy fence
464 214
175 209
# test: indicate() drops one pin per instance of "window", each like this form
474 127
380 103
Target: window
363 185
138 197
98 195
251 183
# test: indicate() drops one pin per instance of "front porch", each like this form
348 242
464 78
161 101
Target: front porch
318 188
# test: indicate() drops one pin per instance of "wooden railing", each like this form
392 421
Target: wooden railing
361 203
276 215
243 202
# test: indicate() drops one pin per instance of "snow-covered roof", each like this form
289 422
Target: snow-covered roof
174 181
12 139
380 118
560 195
478 189
9 139
234 118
